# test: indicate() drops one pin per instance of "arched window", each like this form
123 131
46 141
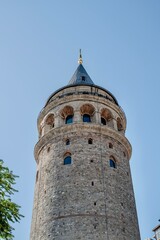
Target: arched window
112 163
90 141
67 142
67 114
119 124
50 120
103 121
110 145
106 117
67 160
86 118
69 119
49 123
87 111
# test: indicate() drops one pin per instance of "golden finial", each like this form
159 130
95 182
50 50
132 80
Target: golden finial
80 61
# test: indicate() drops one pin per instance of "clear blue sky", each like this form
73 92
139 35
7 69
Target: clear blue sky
39 44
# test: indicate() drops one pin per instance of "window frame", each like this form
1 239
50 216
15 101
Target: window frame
83 78
112 163
67 142
85 116
67 160
69 119
103 121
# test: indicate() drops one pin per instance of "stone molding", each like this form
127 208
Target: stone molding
78 127
88 98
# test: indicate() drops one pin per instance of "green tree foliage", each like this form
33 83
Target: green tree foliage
9 211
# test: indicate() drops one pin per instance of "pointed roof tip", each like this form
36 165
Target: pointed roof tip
80 77
80 60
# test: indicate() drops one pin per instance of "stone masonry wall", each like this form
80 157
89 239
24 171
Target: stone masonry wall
86 199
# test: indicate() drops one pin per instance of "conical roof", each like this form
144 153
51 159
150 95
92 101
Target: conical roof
80 77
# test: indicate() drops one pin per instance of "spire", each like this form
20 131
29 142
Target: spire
80 60
80 76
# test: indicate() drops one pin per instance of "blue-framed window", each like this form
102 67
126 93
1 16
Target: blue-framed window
69 119
86 118
67 160
112 163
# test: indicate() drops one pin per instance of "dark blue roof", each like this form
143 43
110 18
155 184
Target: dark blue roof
81 77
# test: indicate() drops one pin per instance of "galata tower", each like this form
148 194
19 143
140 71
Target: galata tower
83 188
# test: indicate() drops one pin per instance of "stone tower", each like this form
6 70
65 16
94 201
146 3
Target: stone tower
83 186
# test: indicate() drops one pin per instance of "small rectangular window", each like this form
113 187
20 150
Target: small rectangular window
90 141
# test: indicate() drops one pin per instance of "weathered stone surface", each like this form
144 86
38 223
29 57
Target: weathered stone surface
87 199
